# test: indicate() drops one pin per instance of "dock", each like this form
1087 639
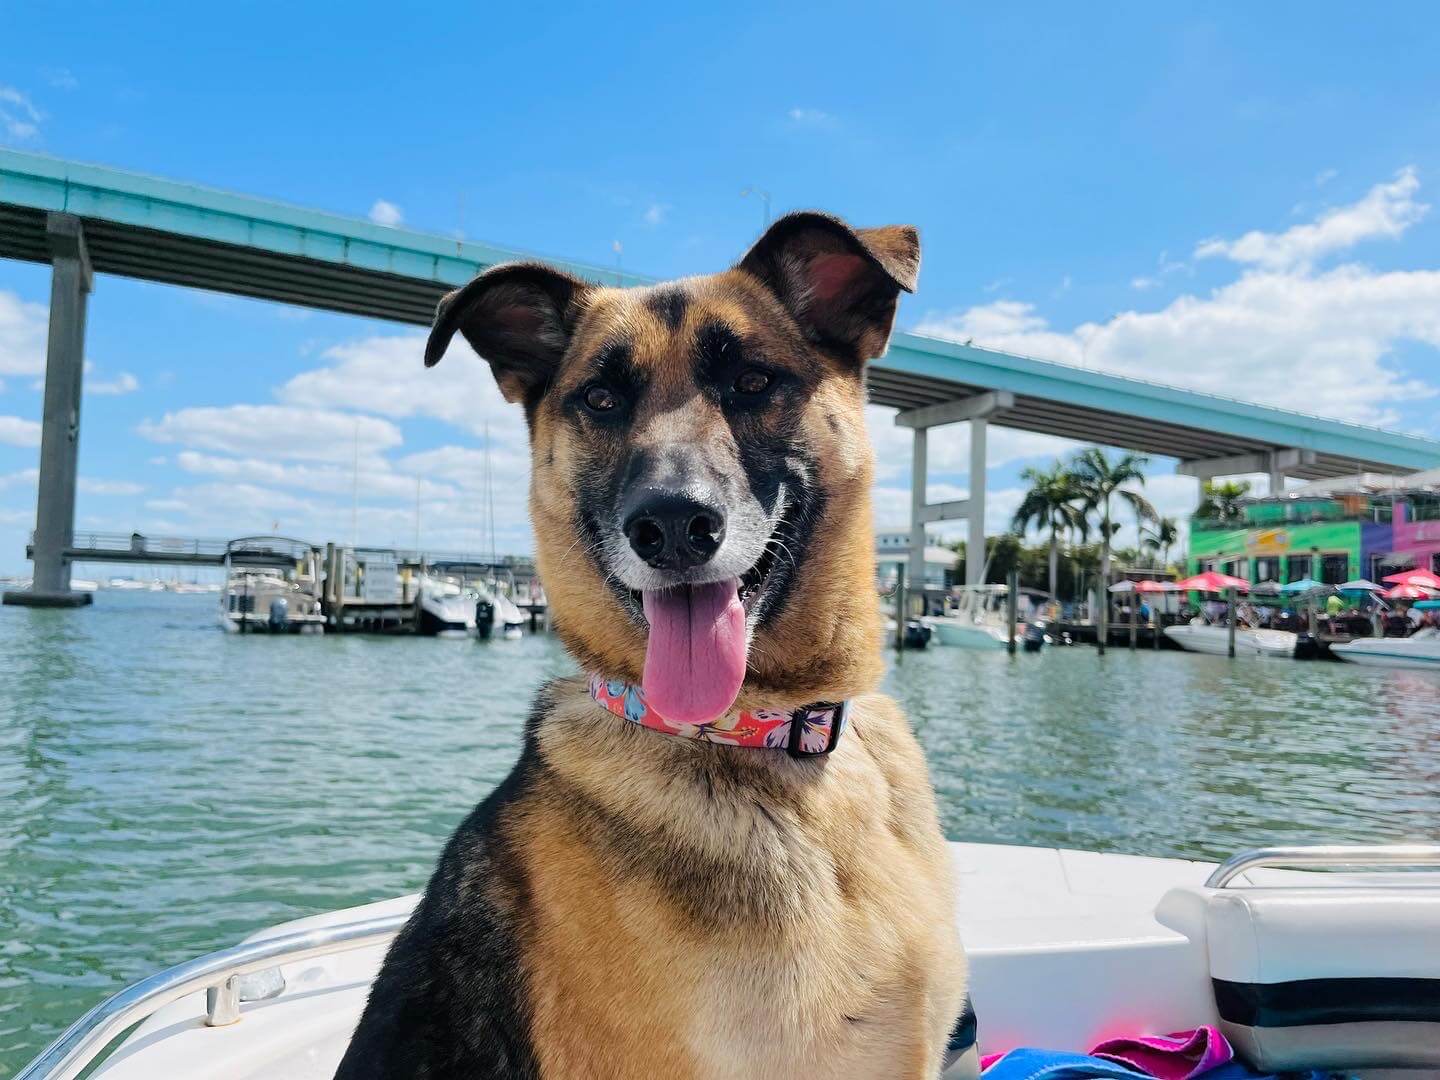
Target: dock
360 590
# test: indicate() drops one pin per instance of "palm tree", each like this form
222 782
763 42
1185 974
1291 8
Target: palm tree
1221 502
1049 504
1100 481
1160 536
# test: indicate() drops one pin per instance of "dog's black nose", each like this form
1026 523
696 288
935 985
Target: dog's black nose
671 531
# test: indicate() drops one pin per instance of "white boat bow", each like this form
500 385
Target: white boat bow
1065 948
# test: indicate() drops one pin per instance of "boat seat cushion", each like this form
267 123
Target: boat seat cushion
1328 977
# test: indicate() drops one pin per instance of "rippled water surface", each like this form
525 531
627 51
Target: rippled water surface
166 789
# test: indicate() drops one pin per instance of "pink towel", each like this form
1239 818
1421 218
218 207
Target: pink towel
1180 1056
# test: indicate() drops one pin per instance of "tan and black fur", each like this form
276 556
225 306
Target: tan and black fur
630 905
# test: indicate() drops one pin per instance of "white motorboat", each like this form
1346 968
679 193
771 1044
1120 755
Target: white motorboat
965 634
271 587
509 619
1420 650
81 584
126 584
975 619
444 608
1202 637
1298 969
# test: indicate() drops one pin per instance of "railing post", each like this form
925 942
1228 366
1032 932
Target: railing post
1012 608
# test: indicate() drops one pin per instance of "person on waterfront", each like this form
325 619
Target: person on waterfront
1334 605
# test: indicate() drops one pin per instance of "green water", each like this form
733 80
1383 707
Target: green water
165 788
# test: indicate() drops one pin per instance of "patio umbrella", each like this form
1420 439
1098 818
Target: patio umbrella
1408 592
1359 585
1427 605
1303 585
1266 588
1156 586
1126 586
1421 578
1211 581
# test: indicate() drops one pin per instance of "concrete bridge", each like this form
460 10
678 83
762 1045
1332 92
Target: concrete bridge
85 220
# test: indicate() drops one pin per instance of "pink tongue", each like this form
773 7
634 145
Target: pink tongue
695 658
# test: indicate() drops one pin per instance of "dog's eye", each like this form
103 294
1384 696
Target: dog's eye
752 381
598 399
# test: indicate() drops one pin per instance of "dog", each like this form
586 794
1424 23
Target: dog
719 854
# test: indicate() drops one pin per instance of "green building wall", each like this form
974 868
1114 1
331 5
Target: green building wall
1315 540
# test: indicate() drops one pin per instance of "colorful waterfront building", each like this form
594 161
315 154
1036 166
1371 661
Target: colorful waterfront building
1417 526
1330 536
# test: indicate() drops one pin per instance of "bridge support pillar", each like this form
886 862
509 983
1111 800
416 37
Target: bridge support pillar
70 284
975 512
977 410
919 470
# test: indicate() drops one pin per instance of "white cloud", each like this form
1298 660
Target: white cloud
947 449
15 431
387 214
1386 210
808 117
376 479
385 375
892 509
1143 283
655 214
23 328
1314 340
276 432
1324 176
124 383
62 79
23 478
108 487
19 118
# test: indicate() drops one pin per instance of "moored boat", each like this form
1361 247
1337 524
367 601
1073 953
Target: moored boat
444 608
1420 650
1202 637
271 587
976 619
1066 948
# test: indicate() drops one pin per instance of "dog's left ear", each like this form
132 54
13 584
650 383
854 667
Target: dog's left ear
841 284
519 317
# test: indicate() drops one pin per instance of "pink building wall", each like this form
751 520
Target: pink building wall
1420 539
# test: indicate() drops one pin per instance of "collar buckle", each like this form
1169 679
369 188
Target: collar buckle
839 716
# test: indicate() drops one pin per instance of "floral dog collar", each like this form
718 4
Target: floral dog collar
809 731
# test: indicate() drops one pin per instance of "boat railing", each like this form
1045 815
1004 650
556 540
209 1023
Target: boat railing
1324 855
218 974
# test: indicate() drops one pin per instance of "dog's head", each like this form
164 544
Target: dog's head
701 474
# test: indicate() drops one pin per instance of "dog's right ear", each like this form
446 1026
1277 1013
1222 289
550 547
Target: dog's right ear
519 317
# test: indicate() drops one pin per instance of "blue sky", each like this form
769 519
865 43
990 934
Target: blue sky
1233 197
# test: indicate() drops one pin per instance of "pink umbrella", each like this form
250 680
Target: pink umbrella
1408 592
1147 585
1214 582
1422 578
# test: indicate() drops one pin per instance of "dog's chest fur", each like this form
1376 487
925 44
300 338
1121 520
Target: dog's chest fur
710 912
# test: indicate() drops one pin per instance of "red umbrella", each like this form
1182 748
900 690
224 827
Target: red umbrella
1421 578
1408 592
1211 581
